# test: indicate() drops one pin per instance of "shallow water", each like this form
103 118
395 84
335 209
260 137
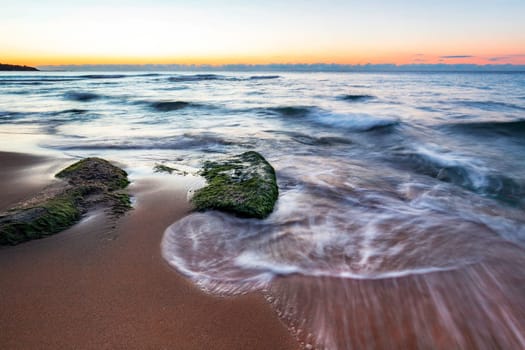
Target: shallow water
385 180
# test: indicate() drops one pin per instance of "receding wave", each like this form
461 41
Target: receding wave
209 142
39 81
291 111
264 77
73 111
7 116
81 96
168 106
494 106
464 172
356 98
313 140
509 128
103 76
334 222
197 77
147 75
250 254
19 92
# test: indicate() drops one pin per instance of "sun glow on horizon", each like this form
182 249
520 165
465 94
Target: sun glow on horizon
207 32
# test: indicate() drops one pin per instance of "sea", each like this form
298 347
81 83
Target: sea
401 195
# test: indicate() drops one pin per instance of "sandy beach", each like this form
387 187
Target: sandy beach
101 285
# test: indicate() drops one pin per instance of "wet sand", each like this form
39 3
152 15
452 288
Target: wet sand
104 285
22 175
101 285
477 307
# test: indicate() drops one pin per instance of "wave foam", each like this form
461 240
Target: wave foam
328 225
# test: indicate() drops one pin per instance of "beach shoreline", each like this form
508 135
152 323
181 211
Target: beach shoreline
104 285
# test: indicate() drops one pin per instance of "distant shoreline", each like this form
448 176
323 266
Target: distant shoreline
16 68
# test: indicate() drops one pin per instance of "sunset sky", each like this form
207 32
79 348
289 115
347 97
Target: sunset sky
37 32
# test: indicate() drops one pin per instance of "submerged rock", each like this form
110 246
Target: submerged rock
89 182
244 185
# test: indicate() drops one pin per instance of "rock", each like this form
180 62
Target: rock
244 185
89 182
95 172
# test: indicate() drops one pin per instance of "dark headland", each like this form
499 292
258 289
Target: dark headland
13 68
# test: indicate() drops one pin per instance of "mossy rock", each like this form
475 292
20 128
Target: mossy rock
48 218
244 185
90 182
95 171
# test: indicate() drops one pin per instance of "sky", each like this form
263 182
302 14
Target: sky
57 32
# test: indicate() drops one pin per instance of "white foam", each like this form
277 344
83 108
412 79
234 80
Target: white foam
331 224
353 121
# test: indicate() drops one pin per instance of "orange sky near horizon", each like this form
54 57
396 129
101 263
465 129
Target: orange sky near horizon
350 59
497 56
210 32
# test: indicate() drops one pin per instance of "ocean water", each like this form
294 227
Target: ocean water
382 177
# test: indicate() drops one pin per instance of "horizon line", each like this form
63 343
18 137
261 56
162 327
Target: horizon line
321 67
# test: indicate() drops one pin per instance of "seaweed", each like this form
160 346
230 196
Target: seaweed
161 168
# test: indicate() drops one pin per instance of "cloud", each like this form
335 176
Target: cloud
504 58
499 58
456 56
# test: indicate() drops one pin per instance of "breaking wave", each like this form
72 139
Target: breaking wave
464 172
321 117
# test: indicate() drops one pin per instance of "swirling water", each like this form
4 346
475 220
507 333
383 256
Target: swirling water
404 187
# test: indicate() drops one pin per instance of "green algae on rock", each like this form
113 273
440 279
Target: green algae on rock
244 185
97 172
162 168
90 182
